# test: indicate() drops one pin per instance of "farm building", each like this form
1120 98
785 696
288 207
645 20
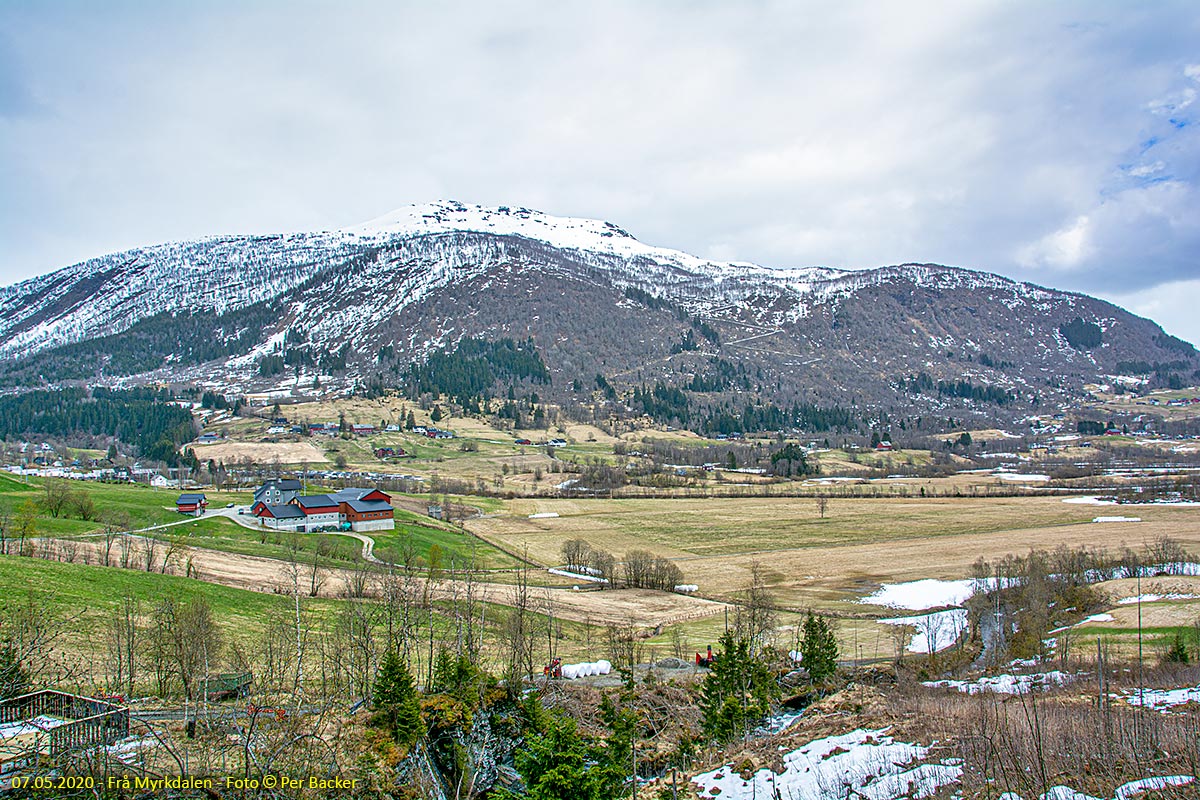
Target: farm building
283 517
191 503
368 515
366 509
277 491
349 509
319 510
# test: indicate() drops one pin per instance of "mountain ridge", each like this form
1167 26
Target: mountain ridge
594 299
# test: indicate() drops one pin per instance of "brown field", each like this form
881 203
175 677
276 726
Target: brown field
641 608
811 561
262 452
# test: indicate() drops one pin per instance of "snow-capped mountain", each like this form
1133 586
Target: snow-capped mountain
594 299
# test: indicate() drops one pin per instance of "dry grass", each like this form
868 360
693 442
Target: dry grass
811 561
262 452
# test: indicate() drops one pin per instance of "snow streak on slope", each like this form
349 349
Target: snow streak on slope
370 272
109 294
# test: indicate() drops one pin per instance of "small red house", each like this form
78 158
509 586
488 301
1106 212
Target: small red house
191 503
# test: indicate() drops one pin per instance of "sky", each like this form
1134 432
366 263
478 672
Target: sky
1057 143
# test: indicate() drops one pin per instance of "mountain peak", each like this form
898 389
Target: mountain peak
571 233
450 215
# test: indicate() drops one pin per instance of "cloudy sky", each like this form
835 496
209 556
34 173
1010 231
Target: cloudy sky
1052 142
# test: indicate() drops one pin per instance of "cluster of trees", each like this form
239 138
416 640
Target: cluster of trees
295 353
639 569
923 383
60 498
1080 334
474 366
143 418
193 336
663 403
723 419
1027 596
742 684
1168 342
792 460
721 376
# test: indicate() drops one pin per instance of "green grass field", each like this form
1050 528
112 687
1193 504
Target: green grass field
125 504
83 597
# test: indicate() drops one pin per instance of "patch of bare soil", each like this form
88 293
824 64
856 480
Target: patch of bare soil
262 452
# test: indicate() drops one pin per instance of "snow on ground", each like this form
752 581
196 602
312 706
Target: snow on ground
1117 519
35 725
1088 500
865 763
935 632
127 749
1018 476
1153 598
1100 618
544 515
1162 699
921 595
779 723
1126 791
1004 684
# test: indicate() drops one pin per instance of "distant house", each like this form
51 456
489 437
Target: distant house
884 446
389 452
277 491
208 438
191 503
363 430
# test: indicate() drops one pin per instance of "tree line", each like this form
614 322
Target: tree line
143 418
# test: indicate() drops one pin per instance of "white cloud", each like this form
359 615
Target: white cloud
985 134
1066 248
1172 305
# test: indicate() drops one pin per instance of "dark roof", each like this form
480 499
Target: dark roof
190 498
283 485
362 506
282 512
315 501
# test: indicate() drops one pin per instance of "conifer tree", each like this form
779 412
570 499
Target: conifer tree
557 763
395 700
738 691
818 648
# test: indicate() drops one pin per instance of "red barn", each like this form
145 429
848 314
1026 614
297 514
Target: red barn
191 503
